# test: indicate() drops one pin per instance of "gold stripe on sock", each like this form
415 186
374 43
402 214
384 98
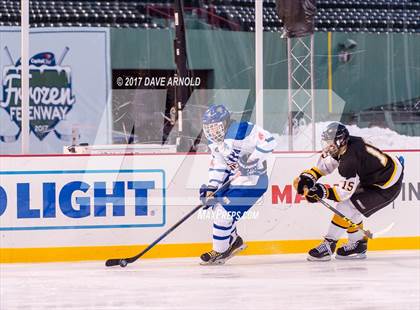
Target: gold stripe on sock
352 230
340 222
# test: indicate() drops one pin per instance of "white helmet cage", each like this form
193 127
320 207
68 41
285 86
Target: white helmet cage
215 132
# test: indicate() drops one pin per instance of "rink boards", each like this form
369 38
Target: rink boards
81 207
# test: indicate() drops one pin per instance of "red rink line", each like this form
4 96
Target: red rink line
166 154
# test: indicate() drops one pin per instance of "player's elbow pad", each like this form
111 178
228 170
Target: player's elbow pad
338 194
332 194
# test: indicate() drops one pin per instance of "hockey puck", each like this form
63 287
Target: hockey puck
123 263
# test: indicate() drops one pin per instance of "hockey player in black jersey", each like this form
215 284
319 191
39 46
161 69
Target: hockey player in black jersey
371 180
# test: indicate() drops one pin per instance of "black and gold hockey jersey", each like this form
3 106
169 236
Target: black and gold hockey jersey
371 165
362 164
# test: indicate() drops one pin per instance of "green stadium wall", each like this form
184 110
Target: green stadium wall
383 69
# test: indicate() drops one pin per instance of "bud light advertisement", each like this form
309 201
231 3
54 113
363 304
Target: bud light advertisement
82 199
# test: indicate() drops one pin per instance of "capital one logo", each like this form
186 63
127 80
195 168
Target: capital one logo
50 92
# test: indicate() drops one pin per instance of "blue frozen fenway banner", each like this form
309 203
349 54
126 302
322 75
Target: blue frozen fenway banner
69 88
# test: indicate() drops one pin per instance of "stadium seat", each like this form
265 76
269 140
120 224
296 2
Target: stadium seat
333 15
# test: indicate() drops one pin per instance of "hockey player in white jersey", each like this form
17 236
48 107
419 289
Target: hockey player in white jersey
234 146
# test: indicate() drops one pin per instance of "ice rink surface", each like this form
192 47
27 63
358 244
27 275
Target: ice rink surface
386 280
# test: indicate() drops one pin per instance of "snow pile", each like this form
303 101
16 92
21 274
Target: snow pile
382 138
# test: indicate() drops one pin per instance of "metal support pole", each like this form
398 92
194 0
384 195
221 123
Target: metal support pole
259 63
24 71
289 88
180 49
301 87
313 95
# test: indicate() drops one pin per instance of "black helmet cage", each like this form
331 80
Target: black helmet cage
334 138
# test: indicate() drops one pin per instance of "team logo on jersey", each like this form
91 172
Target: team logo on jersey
51 94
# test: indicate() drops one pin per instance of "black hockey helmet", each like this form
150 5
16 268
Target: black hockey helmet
334 138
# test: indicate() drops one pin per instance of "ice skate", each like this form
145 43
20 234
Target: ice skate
322 252
215 258
352 250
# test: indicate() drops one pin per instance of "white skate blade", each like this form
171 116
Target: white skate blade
350 257
217 262
316 259
224 260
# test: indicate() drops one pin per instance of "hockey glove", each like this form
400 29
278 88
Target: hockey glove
206 195
248 167
317 192
306 180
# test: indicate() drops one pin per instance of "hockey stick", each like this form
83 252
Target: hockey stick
66 50
123 262
9 56
367 232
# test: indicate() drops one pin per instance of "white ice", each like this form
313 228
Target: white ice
386 280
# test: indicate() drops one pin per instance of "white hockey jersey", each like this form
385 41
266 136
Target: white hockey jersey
242 138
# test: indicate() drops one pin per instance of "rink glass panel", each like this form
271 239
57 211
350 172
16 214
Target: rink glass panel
361 79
